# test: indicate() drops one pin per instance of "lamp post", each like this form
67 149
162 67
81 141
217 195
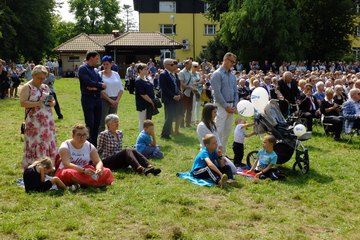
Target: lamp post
172 18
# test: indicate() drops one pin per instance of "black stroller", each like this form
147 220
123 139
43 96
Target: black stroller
272 121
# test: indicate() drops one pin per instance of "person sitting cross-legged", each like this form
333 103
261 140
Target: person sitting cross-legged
210 163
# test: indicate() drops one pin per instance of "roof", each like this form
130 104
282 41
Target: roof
144 39
84 42
102 39
80 43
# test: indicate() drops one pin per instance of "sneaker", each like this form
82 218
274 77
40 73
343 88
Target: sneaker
223 180
74 187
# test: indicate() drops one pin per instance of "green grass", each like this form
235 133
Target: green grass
323 204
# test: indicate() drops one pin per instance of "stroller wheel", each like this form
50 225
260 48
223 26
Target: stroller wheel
301 166
250 158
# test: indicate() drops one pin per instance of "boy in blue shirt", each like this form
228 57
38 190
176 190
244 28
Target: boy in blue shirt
210 163
266 158
146 141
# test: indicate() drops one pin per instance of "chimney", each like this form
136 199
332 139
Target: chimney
116 33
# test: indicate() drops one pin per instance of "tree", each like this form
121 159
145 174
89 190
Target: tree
215 50
216 8
285 30
62 30
25 28
261 29
8 20
129 20
328 25
96 16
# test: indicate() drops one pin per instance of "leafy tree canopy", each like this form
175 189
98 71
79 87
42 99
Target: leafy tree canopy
96 16
285 29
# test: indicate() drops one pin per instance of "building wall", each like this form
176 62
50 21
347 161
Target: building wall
69 64
189 26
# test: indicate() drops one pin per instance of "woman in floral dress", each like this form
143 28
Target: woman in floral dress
39 137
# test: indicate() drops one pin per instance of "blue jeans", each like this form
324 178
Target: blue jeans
91 105
152 152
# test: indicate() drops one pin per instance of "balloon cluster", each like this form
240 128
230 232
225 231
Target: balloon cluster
259 99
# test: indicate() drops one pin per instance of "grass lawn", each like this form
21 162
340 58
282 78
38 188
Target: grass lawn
324 204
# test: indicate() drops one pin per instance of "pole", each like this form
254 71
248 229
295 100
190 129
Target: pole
172 17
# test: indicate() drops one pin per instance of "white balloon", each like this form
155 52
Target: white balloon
259 99
245 108
299 130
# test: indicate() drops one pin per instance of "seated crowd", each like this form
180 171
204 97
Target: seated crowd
330 93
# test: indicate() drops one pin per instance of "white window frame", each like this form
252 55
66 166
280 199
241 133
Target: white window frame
210 29
167 6
358 31
357 8
171 27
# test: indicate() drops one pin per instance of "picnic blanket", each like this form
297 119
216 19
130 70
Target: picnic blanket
201 182
244 172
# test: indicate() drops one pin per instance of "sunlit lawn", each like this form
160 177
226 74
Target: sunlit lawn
324 204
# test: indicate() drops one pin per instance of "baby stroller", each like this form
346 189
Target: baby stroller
272 121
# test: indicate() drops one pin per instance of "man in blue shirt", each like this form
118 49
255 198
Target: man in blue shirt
91 86
223 83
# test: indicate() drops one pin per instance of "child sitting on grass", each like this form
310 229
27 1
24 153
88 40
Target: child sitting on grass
34 176
210 163
266 158
146 141
239 138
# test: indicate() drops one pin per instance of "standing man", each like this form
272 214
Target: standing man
91 86
188 88
130 77
170 95
223 83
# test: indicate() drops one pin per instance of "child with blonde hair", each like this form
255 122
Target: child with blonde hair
34 176
266 159
239 138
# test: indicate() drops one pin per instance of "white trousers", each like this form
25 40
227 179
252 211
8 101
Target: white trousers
142 118
224 122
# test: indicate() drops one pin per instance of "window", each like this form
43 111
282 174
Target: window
356 52
74 59
167 6
168 28
165 54
357 8
358 31
210 29
206 7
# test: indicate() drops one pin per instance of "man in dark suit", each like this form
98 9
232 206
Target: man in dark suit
269 88
170 95
288 88
309 106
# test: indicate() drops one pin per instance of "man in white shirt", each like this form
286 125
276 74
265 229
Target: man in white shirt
188 88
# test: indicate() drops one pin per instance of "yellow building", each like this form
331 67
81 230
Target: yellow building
182 20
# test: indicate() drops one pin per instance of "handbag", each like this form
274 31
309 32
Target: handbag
157 102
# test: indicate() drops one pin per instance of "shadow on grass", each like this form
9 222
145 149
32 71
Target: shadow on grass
295 178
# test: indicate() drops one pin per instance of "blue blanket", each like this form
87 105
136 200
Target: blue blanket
200 182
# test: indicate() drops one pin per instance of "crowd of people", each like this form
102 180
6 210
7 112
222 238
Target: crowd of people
309 91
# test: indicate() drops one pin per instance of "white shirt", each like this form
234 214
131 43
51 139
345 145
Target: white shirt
80 157
113 84
239 133
202 130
